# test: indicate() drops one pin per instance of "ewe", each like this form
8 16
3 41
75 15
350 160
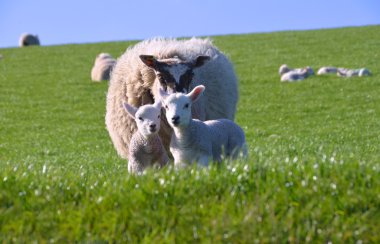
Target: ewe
28 40
195 141
293 75
343 72
327 70
145 148
102 68
285 69
177 66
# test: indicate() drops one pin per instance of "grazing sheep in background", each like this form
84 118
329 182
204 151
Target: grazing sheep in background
327 70
285 69
145 148
102 68
177 66
343 72
195 141
295 75
28 40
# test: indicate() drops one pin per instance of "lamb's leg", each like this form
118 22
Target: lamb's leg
203 161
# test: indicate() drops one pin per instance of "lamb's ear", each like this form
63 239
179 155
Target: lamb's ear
130 109
157 104
163 94
149 60
196 93
201 60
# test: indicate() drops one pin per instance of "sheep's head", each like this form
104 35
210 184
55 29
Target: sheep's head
173 74
178 106
147 117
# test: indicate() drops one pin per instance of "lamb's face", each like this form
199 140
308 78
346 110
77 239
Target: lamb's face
178 110
178 106
173 74
148 120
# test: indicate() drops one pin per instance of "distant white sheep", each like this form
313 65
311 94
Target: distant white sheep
343 72
27 39
145 148
177 66
195 141
285 69
327 70
295 75
102 68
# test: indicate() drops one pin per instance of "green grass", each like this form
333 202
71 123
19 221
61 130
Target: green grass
312 176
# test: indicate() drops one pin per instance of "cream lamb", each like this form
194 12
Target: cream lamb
102 68
177 66
28 40
146 147
195 141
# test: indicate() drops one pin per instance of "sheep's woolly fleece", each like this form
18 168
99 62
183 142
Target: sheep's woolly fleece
102 68
135 83
27 39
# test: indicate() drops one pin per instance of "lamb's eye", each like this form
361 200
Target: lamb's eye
141 119
158 116
186 105
166 107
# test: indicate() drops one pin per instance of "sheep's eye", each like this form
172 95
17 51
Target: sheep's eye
141 119
186 105
166 106
158 116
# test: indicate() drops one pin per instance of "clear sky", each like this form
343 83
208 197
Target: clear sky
84 21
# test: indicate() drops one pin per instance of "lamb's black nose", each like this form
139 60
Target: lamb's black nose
152 126
175 120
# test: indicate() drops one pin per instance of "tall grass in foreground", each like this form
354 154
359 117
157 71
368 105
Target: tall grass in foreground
312 175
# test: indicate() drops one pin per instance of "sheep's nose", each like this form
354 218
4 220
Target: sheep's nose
175 119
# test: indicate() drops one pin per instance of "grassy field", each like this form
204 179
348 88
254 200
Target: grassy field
313 174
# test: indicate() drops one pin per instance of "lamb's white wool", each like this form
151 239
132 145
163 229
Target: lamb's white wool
292 76
343 72
146 147
285 69
175 65
327 70
27 39
102 68
195 141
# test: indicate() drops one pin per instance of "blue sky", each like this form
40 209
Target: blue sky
84 21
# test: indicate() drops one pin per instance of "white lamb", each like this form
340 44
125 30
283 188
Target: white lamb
102 68
294 75
285 69
145 148
27 39
177 66
195 141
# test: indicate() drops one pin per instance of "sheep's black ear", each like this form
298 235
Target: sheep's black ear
201 60
149 60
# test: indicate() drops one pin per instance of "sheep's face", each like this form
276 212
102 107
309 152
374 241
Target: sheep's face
173 74
147 117
178 106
